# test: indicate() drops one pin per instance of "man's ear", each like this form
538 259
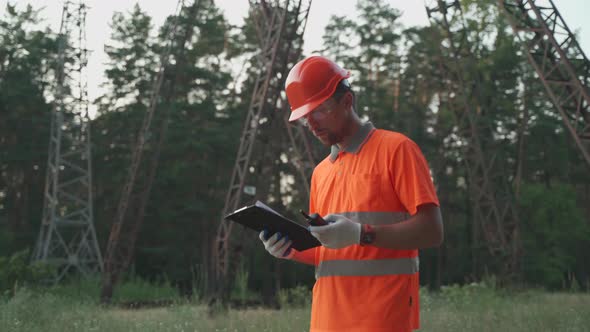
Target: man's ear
347 100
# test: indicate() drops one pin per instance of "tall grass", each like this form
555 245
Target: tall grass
479 308
133 289
475 307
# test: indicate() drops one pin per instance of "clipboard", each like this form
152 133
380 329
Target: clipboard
259 216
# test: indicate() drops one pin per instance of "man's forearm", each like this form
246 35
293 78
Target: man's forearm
423 230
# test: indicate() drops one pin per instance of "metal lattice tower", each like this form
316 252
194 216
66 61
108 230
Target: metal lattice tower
280 26
559 61
136 190
67 238
490 193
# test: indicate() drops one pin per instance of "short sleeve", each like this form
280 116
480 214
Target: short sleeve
411 176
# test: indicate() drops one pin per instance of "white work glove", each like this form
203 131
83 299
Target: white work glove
341 232
277 245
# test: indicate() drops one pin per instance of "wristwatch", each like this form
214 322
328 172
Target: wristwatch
367 235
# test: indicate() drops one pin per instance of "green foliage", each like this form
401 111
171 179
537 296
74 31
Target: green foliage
131 290
296 297
132 62
469 293
555 234
27 55
197 150
138 289
400 81
481 311
240 290
368 46
480 308
17 272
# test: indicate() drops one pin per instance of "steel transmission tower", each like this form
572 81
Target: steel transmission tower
490 193
136 190
280 25
559 61
67 238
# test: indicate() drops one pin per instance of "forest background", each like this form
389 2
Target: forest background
398 75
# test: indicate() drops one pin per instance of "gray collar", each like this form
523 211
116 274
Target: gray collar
356 142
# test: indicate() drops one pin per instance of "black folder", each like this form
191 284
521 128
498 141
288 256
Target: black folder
259 216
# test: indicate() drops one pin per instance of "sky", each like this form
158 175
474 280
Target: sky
574 12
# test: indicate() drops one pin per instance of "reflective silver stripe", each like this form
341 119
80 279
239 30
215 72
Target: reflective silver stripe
373 267
376 218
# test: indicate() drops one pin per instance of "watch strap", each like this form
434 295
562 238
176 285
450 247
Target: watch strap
367 235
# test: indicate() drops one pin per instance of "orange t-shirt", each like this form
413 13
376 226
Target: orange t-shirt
381 177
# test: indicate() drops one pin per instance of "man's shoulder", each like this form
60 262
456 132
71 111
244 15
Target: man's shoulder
324 163
389 137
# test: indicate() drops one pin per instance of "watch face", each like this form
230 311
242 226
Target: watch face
368 235
368 238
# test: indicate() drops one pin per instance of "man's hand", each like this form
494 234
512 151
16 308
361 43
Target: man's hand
341 232
278 246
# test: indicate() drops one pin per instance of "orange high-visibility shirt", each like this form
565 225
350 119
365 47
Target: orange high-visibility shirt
380 178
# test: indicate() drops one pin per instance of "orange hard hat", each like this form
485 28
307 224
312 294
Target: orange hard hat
311 82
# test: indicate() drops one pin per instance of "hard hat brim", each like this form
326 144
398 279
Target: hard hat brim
302 111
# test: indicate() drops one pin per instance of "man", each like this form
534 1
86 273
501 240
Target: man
376 192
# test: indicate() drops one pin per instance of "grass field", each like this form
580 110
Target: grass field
468 308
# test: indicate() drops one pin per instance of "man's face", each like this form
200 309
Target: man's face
325 121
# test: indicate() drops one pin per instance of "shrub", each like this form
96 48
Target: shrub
297 297
15 271
555 234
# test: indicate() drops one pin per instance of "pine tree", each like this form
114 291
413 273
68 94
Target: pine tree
27 58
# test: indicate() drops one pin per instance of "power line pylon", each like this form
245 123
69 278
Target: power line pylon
134 197
558 59
490 193
67 238
280 25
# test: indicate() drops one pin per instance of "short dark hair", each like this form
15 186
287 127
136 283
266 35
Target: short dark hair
341 89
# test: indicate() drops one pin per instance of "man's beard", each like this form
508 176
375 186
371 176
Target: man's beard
330 139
